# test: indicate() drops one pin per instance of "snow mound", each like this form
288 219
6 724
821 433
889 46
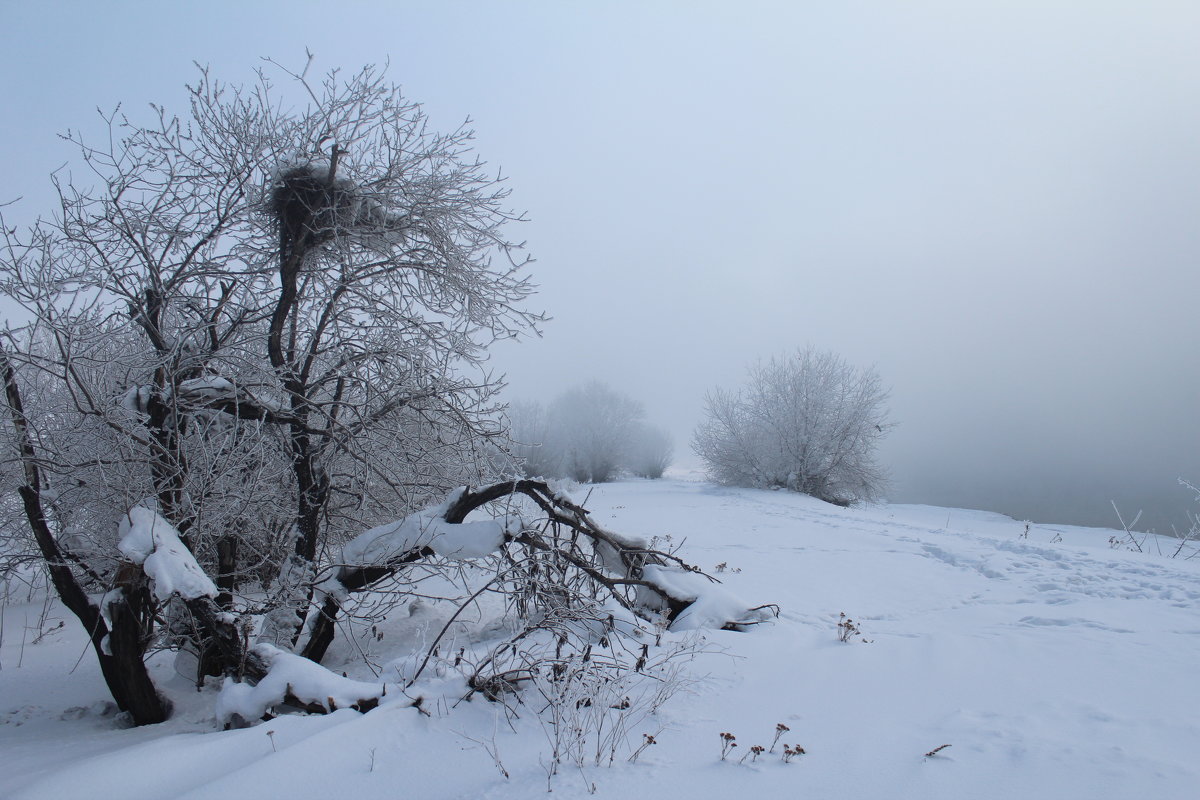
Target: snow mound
709 604
298 677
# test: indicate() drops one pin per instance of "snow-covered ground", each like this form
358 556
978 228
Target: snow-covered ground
1054 665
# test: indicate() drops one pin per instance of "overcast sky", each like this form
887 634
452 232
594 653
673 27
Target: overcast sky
996 204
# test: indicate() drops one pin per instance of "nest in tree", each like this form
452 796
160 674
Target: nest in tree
308 206
312 207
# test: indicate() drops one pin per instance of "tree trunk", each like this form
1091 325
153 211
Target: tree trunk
122 665
227 548
132 627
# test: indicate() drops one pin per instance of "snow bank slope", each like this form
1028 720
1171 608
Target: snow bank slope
1055 666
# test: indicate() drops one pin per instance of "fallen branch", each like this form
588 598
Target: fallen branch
653 584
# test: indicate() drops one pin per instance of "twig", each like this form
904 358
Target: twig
446 627
1128 533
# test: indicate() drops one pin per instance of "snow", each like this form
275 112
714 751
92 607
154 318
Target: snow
215 387
106 602
149 540
1053 664
467 539
425 529
711 606
135 399
295 675
210 385
207 388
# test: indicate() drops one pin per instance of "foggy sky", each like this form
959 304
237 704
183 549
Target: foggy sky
993 203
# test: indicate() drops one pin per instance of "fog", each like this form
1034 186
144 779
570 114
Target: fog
995 204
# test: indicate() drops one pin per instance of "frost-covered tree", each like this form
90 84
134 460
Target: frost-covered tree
590 433
808 422
534 446
266 321
593 427
649 452
253 378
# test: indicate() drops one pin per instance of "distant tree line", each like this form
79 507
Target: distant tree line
590 434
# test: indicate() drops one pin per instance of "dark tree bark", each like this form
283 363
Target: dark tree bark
355 580
227 552
132 617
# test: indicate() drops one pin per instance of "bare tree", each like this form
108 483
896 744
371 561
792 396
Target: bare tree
256 356
809 422
267 324
594 427
535 446
590 433
650 451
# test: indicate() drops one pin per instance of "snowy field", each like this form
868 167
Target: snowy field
1052 664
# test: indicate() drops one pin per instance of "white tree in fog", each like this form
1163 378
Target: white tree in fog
650 451
594 426
808 422
533 440
590 433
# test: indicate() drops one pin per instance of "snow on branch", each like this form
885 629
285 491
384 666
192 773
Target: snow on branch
652 584
294 681
649 582
212 393
154 544
566 576
704 604
427 528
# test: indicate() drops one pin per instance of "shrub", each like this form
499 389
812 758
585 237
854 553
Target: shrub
650 452
809 422
590 434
